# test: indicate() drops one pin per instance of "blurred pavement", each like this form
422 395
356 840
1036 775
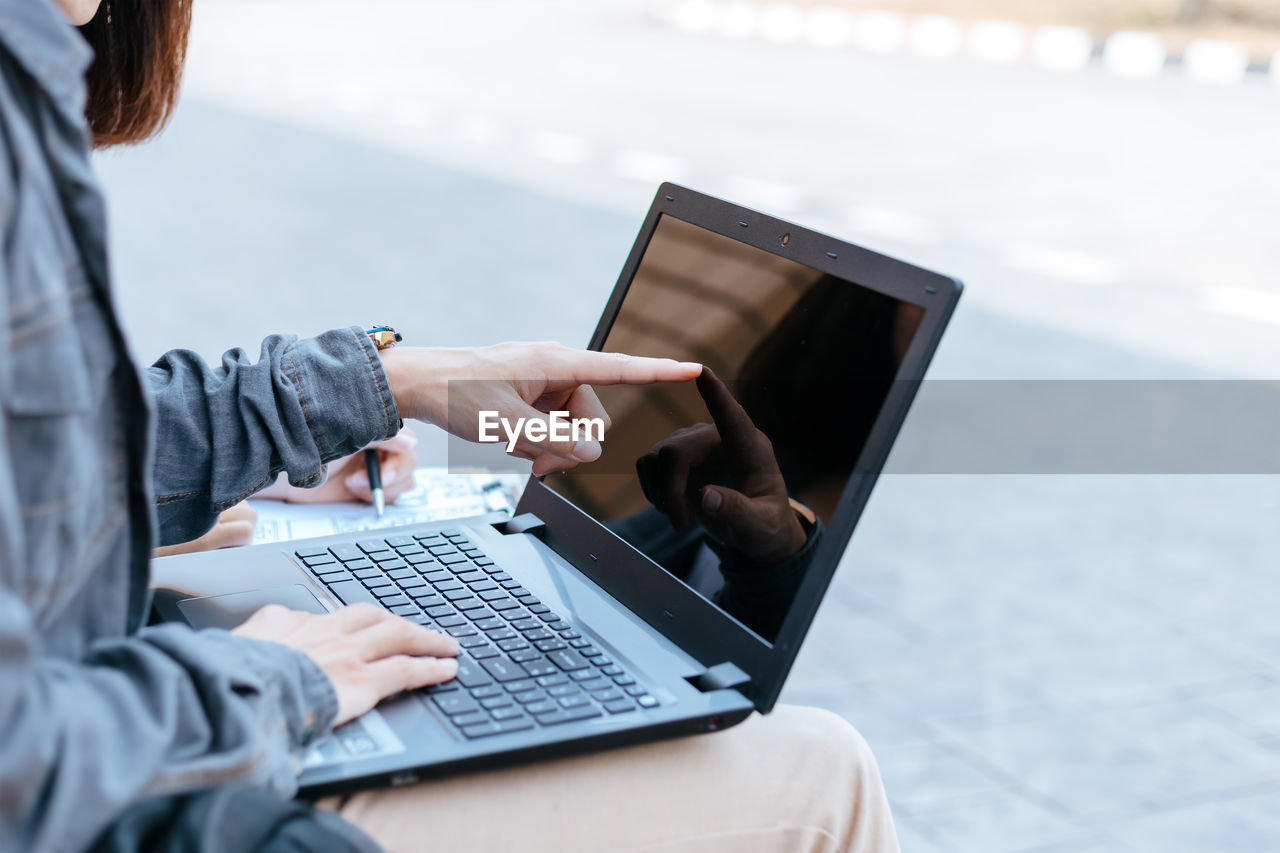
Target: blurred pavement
1042 663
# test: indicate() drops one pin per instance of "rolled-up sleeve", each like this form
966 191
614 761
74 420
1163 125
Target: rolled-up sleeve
224 433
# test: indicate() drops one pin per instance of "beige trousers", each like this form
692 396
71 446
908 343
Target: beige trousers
799 779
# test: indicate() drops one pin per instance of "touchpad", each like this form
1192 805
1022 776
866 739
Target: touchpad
228 611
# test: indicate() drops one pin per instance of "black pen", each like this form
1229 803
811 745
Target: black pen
374 466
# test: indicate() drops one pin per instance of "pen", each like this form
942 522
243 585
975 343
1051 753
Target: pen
374 467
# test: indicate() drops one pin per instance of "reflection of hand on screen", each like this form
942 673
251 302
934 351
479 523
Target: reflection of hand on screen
723 476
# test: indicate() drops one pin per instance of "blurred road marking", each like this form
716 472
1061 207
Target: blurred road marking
1244 303
1133 54
648 168
880 32
998 42
695 18
1062 264
828 26
936 36
736 20
559 148
478 130
1062 48
782 23
763 194
1215 61
891 223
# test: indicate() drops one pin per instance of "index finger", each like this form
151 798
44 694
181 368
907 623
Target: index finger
732 421
616 368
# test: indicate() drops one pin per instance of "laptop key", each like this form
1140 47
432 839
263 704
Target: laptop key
469 642
525 655
375 583
414 582
499 632
567 659
487 692
611 669
503 670
482 652
490 624
505 604
573 701
508 713
635 690
520 685
612 694
450 585
495 702
304 553
471 719
471 675
538 668
618 706
546 706
552 680
498 727
404 610
399 540
515 644
538 634
352 592
623 680
647 701
526 697
440 611
370 572
451 559
549 645
316 562
334 577
563 690
479 614
568 715
372 546
472 576
418 559
595 684
525 625
582 674
455 703
468 603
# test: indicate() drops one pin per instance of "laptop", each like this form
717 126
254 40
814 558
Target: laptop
622 603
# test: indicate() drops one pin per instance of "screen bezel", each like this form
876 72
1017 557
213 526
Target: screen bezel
680 613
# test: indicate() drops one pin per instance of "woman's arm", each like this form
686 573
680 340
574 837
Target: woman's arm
224 433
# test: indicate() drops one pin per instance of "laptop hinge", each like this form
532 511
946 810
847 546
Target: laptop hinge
525 522
722 676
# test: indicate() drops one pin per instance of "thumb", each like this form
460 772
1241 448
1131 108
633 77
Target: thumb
727 514
536 433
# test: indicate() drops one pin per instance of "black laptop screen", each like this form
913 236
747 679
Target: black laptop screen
727 483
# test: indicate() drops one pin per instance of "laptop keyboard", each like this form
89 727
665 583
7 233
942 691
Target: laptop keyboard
520 666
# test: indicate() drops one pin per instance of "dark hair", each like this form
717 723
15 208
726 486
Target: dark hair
139 50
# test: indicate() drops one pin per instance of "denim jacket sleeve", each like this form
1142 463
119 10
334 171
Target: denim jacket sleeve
224 433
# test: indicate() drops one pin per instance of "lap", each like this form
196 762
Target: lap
798 779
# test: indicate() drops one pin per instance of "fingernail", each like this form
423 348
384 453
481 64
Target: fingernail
450 665
389 475
587 450
711 500
691 365
355 481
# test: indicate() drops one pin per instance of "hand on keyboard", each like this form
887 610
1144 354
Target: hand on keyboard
367 652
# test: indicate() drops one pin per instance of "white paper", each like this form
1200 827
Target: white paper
436 494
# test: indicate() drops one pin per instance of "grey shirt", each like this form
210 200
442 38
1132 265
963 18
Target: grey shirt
98 711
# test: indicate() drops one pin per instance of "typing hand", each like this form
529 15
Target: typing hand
450 387
367 652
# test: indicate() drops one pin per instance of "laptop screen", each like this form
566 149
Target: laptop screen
727 483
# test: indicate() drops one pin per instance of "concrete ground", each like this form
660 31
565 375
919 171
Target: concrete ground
1042 663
